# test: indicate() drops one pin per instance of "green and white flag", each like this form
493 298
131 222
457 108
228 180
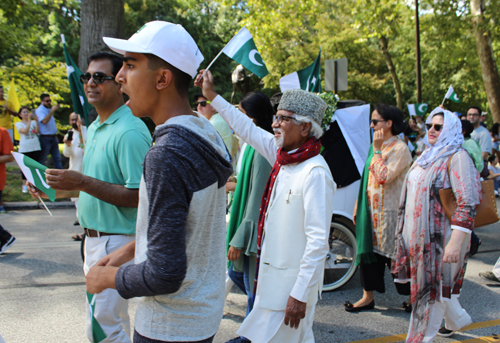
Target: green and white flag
242 49
35 174
308 79
98 333
450 94
81 105
417 109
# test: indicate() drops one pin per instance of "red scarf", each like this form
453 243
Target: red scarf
309 149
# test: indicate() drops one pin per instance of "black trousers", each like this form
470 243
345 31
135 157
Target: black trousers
372 276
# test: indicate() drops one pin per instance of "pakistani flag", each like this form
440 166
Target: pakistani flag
80 104
450 94
242 49
35 174
308 79
417 109
98 333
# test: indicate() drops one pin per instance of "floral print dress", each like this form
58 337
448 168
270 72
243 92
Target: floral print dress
385 181
424 230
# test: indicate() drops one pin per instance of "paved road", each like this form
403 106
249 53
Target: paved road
42 291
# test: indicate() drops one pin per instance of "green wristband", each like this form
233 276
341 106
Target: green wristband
377 152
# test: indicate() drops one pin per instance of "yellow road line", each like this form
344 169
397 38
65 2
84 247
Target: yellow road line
473 326
494 338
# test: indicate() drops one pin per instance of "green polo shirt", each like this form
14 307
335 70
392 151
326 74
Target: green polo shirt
114 153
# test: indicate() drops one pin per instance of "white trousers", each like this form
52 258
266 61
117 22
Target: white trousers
107 311
496 268
454 315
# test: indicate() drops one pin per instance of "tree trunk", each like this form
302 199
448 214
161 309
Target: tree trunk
487 59
100 18
384 45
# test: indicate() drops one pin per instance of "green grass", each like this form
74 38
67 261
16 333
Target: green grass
12 191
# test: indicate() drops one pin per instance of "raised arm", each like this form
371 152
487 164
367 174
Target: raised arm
261 140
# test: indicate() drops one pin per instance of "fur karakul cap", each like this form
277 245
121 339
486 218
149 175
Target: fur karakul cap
304 103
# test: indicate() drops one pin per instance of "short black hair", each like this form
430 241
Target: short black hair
388 112
199 95
467 128
116 60
495 129
258 107
476 108
182 81
43 96
492 158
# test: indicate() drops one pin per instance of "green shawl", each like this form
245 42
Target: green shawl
364 236
240 195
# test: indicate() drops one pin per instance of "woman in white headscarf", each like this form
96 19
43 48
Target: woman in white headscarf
431 252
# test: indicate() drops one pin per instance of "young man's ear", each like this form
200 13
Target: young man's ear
165 78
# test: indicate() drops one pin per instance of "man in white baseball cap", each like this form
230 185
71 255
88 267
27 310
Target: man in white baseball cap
179 253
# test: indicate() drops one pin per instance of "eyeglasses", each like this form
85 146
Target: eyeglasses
280 117
437 127
473 114
98 77
376 121
203 103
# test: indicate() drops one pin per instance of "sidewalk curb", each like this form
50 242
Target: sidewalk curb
35 205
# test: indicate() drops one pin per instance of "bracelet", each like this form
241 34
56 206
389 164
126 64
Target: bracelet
377 152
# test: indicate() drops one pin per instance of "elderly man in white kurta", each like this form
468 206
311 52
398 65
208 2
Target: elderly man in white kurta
295 216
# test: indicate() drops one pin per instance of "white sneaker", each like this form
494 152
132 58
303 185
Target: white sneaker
24 189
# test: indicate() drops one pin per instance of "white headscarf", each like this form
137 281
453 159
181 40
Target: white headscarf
449 140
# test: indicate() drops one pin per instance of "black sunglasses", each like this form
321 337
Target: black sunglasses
376 121
98 78
437 127
203 103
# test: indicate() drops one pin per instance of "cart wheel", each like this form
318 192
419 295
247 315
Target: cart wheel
340 261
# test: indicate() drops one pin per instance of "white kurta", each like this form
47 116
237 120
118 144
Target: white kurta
264 325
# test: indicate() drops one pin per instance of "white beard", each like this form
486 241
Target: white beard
279 141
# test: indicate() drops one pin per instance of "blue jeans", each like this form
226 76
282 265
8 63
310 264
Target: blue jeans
50 145
242 280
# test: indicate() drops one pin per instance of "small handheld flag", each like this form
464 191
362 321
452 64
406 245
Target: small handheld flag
35 173
243 50
450 94
308 79
417 109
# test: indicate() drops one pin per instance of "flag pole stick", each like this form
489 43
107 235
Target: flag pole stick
443 100
45 206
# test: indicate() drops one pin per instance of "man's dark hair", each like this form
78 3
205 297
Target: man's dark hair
388 112
495 129
258 107
476 108
467 128
492 158
199 95
43 96
182 81
116 61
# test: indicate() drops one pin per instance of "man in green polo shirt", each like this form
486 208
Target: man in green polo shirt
116 145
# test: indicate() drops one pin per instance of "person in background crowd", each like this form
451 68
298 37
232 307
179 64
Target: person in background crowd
493 276
253 173
29 144
204 107
6 114
482 119
494 172
431 252
495 139
48 131
73 149
6 148
295 214
376 211
471 146
412 134
421 123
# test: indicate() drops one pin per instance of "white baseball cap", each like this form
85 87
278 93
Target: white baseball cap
170 42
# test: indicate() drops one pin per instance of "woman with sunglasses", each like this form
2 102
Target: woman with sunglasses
376 210
431 251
